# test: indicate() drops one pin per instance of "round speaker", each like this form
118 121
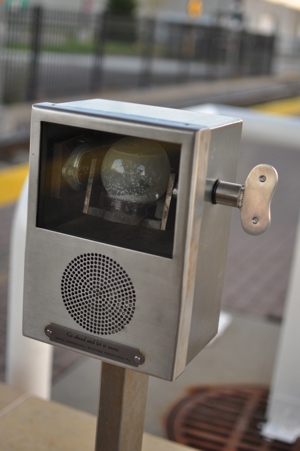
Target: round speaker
98 294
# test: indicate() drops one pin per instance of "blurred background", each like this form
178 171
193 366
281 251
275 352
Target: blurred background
173 53
63 48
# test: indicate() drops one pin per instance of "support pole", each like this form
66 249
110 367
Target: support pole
123 396
283 414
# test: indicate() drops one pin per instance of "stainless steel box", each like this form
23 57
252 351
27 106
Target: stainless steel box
174 296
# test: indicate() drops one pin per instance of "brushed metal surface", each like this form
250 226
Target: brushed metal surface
229 194
259 189
177 300
213 241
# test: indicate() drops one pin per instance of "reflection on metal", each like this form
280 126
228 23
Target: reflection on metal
225 193
89 186
56 172
73 171
168 199
123 395
253 198
175 191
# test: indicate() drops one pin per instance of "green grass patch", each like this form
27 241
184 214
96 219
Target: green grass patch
77 47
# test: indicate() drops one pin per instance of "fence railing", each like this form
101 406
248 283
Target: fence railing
49 53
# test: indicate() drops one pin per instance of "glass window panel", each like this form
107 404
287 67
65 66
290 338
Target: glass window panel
108 187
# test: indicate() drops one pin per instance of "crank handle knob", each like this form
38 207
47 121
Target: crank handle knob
253 198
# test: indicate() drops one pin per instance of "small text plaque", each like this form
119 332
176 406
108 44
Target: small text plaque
94 345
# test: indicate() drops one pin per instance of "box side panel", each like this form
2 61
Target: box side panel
214 237
196 207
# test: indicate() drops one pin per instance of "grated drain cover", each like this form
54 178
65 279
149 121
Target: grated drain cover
223 419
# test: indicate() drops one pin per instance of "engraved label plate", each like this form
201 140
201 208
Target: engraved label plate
94 345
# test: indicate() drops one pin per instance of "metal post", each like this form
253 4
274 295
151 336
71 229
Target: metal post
123 395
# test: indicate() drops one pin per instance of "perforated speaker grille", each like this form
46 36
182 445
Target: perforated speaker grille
98 294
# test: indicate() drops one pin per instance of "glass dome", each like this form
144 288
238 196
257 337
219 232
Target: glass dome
136 170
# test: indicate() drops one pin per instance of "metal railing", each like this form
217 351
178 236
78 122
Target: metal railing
51 53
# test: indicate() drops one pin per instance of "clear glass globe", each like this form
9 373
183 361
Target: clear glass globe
136 170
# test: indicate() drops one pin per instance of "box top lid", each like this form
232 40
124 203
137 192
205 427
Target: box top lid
153 115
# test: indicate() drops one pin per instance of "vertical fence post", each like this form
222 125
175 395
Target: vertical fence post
239 44
2 61
233 53
99 49
211 36
180 38
269 54
36 26
186 52
148 41
242 56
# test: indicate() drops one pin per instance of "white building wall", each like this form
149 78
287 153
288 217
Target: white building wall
288 30
257 10
282 20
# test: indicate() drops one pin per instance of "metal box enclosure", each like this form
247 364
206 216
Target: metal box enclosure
169 281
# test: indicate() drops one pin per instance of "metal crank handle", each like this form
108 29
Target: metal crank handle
253 198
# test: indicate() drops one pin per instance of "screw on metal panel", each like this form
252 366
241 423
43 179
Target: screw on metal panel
255 220
262 178
137 359
48 332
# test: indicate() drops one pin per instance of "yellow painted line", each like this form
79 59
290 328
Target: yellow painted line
11 182
285 106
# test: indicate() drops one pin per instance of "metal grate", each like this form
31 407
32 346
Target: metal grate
223 419
98 293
